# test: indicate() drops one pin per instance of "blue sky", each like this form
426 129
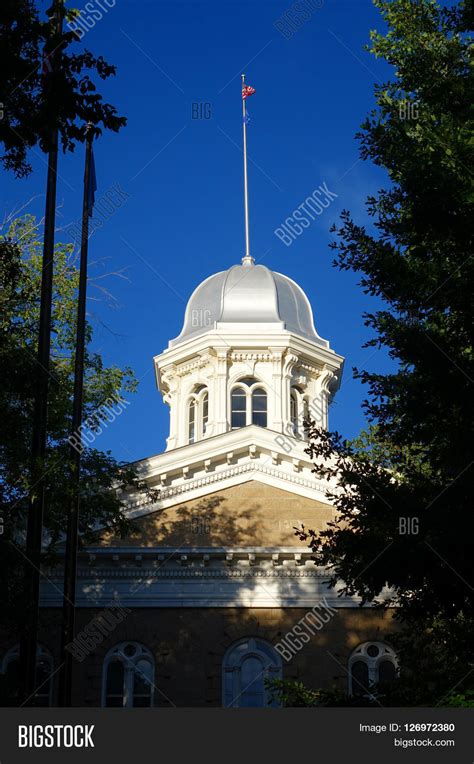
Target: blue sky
182 218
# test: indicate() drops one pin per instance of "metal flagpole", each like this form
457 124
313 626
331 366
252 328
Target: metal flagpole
34 531
70 560
246 195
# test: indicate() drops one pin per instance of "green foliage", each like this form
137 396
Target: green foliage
412 468
102 476
416 459
33 104
293 694
460 700
436 661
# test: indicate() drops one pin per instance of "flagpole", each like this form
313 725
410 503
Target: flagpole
37 497
70 560
248 259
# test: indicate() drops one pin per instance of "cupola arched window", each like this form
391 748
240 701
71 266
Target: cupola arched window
294 412
198 413
246 667
238 408
192 421
205 411
128 677
44 677
306 409
299 411
371 663
248 404
259 407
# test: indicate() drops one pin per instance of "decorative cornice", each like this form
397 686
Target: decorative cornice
187 368
184 572
242 355
211 478
222 341
313 371
240 470
201 589
199 577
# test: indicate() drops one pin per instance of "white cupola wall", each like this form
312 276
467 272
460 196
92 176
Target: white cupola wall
248 355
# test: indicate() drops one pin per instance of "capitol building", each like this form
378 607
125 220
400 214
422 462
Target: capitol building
212 583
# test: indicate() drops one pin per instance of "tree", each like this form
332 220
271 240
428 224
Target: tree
107 389
435 656
405 497
32 103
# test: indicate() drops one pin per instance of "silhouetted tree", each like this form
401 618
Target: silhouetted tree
33 100
405 505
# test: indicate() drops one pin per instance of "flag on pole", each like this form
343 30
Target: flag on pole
247 90
92 187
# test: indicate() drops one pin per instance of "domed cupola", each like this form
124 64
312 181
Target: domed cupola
248 356
250 295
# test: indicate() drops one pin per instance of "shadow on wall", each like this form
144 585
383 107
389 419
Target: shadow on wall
204 523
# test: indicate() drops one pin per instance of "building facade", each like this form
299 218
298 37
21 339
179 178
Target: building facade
212 595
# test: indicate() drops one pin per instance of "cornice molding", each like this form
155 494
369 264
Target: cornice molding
250 356
247 342
231 472
198 577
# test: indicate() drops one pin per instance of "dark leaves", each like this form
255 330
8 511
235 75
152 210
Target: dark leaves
34 104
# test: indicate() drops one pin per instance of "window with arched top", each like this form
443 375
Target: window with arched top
246 667
191 421
370 664
205 411
294 412
44 677
306 409
309 414
248 404
248 381
197 413
128 677
259 407
238 408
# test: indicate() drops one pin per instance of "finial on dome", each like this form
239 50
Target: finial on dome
248 260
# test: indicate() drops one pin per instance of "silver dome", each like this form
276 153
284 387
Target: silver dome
248 294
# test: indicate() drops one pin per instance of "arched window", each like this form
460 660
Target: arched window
247 664
128 677
306 409
238 408
259 407
371 663
191 421
294 412
299 411
198 413
44 677
307 416
248 404
205 411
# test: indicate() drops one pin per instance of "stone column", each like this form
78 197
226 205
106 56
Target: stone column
220 392
289 363
169 390
278 394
